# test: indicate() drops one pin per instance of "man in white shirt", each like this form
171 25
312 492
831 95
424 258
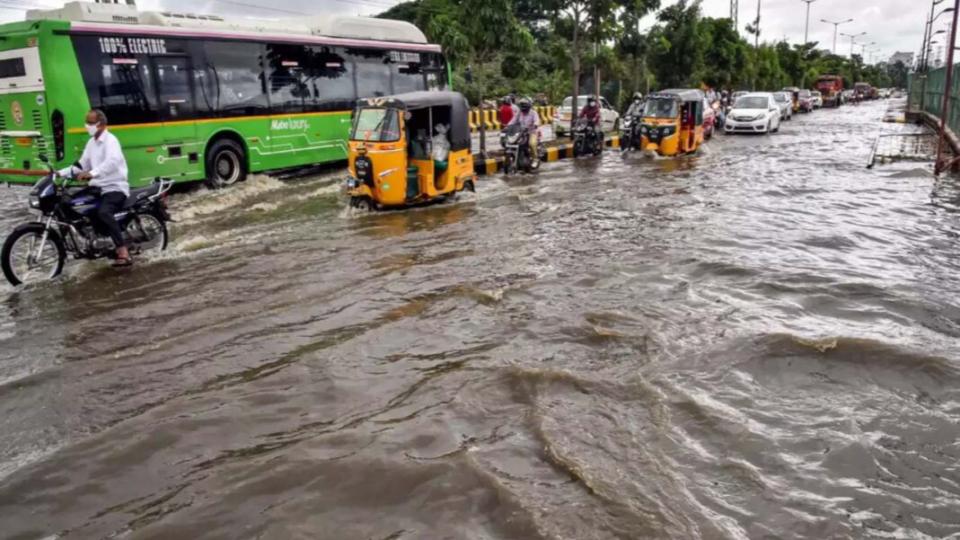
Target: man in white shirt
103 165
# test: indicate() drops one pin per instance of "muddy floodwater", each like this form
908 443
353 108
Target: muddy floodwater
761 341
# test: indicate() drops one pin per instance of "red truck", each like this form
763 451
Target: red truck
831 87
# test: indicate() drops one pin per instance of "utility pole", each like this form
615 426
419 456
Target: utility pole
947 88
756 39
835 25
806 28
735 14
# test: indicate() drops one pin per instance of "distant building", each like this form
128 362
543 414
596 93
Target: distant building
905 57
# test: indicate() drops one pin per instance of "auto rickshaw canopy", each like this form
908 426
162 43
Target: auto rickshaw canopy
686 95
454 106
693 97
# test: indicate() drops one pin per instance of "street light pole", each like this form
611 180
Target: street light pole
806 28
937 169
853 38
835 25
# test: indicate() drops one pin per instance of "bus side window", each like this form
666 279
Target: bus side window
285 65
120 84
329 77
238 77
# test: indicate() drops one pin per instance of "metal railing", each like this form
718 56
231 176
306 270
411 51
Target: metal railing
926 94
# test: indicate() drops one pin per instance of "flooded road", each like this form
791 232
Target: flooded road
757 342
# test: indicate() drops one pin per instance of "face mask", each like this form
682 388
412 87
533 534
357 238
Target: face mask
91 129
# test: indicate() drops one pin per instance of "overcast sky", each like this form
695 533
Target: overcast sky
893 25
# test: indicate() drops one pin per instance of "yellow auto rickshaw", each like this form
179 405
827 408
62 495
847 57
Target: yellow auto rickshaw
794 94
673 122
409 149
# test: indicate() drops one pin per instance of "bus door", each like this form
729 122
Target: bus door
181 154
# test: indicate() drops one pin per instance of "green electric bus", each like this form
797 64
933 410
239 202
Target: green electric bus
197 97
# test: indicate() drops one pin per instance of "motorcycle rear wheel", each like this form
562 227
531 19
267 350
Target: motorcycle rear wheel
153 238
18 257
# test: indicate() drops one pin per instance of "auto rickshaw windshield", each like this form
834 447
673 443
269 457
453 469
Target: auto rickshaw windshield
660 108
376 125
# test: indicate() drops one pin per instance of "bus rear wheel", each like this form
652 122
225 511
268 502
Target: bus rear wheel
225 164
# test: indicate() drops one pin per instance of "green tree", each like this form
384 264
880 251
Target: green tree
677 54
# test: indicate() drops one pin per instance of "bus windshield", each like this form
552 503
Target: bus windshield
376 125
660 108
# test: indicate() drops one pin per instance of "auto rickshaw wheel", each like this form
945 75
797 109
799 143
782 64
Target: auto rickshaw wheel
361 203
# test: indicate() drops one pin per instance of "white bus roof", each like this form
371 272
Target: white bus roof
127 19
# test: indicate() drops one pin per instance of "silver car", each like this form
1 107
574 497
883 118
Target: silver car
785 102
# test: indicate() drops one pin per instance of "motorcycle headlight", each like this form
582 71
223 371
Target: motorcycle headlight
353 183
34 203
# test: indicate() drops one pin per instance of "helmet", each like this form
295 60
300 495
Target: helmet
637 96
591 101
525 105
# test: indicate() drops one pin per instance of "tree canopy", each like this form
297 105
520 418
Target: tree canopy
553 46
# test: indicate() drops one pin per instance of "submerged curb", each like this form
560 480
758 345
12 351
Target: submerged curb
491 166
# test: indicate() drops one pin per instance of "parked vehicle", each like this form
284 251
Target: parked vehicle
609 118
831 87
391 167
806 101
37 250
784 104
586 139
817 99
755 113
673 122
515 142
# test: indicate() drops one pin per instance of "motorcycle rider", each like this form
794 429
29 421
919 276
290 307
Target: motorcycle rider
636 106
507 110
592 114
530 121
103 166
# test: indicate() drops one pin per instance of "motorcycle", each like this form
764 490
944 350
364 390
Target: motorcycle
37 250
586 139
630 133
515 142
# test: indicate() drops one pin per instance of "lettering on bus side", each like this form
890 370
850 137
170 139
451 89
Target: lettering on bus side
125 45
289 125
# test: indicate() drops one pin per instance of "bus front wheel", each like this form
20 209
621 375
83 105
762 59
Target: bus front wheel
225 164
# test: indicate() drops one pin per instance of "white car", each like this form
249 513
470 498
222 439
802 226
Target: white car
817 99
785 104
754 113
609 118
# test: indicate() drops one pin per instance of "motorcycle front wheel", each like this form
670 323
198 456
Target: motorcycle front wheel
24 261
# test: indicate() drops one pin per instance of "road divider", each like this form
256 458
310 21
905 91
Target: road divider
553 152
490 118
